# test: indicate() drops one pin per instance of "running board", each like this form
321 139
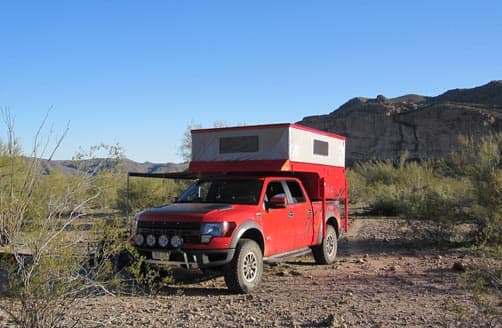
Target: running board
287 255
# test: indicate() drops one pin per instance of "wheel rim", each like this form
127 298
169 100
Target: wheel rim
330 245
250 267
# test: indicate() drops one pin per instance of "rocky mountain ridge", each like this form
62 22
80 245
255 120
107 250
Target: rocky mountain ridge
425 127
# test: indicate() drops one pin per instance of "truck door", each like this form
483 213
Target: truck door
278 225
303 219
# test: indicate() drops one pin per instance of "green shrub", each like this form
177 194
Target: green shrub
385 200
147 192
480 163
468 190
53 259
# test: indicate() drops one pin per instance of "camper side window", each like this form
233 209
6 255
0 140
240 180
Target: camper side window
321 148
242 144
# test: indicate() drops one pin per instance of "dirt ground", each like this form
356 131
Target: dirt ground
384 277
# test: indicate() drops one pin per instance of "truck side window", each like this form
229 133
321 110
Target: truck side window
296 192
274 188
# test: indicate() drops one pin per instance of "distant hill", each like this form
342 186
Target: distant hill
426 127
148 167
71 167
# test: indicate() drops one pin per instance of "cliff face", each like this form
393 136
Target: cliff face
426 127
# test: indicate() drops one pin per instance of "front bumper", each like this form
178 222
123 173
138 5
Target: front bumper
189 259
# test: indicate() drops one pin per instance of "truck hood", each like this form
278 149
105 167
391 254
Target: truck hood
184 211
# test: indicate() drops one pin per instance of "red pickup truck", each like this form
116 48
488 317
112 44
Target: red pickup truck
261 193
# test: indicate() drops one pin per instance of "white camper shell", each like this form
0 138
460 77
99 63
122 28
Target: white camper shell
280 142
316 156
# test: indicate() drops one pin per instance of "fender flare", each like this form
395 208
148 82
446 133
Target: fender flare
330 221
242 229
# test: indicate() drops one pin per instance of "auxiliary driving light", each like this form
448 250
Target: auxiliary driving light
163 241
150 240
139 239
176 241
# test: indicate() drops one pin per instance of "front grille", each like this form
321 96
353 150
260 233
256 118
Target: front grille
189 231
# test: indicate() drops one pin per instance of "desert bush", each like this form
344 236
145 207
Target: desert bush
385 186
116 265
468 190
144 193
385 200
417 191
103 163
50 256
356 183
480 164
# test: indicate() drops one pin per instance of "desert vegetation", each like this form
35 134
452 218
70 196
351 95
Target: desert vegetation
62 235
460 200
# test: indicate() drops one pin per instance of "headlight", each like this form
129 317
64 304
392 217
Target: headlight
216 229
163 241
150 240
139 239
213 229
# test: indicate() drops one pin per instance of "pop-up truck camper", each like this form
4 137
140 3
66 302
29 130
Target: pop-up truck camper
260 193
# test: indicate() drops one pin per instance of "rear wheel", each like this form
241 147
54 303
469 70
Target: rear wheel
243 273
326 252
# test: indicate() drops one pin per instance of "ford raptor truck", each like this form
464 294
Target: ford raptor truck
261 193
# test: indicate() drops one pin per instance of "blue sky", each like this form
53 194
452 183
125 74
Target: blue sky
138 73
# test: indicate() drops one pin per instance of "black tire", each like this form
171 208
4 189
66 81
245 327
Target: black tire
243 273
326 252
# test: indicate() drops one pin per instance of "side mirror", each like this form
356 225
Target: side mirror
278 201
174 199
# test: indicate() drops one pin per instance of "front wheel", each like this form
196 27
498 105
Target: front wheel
243 273
326 252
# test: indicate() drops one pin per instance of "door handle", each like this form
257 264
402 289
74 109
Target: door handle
291 214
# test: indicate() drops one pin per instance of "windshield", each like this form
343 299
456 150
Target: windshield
234 191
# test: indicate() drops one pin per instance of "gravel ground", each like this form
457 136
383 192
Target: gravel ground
382 278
